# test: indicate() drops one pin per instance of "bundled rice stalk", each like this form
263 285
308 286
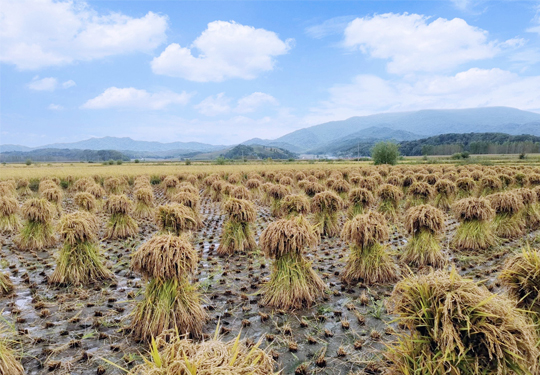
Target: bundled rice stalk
81 184
425 224
238 233
47 184
459 327
445 191
191 201
54 195
341 187
474 231
240 192
360 200
37 231
508 221
144 203
489 185
390 197
311 188
368 259
166 262
170 183
530 212
175 218
293 284
254 187
216 190
9 363
521 276
465 187
187 188
120 224
9 221
172 354
79 261
326 206
86 202
23 187
113 186
96 190
277 193
6 286
419 193
295 205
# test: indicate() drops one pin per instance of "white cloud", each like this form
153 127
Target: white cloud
369 94
412 44
130 97
336 25
254 101
220 104
214 105
68 84
55 107
43 84
224 50
41 33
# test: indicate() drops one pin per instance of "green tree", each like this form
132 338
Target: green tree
385 153
28 161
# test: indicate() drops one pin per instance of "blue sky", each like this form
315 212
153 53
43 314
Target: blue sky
225 71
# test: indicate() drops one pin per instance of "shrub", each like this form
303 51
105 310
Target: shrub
385 153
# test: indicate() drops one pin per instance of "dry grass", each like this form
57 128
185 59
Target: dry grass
368 260
458 327
172 354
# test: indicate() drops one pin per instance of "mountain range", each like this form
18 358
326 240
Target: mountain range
335 136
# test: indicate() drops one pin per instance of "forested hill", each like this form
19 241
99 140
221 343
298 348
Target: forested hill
475 143
257 152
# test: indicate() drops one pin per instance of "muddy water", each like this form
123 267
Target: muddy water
84 330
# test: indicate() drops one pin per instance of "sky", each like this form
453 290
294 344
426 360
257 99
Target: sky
222 72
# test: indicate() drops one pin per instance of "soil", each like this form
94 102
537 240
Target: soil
65 330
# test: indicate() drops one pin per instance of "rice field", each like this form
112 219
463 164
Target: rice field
342 268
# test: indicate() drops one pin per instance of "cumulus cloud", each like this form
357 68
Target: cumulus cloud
220 104
214 105
368 94
224 50
41 33
43 84
55 107
130 97
413 44
68 84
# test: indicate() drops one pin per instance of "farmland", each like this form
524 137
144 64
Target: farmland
325 268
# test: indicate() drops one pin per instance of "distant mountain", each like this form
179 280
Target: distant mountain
120 144
352 143
257 152
426 122
270 143
62 155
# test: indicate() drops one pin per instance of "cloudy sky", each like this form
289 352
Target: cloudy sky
225 71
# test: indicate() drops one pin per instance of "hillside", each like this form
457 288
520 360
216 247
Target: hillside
257 152
61 155
475 143
425 122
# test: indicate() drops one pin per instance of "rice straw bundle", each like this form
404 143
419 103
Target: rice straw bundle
474 231
489 185
238 234
23 187
445 191
360 199
295 205
312 188
425 224
368 259
240 192
9 221
79 261
465 186
170 301
120 224
85 201
276 194
419 193
390 197
113 185
326 206
459 327
175 218
9 362
508 221
293 283
144 202
170 183
37 232
530 212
